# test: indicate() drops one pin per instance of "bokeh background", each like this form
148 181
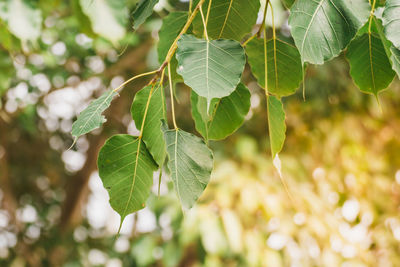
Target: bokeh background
341 159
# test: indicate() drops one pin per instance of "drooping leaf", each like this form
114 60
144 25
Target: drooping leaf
323 28
276 124
126 169
108 17
228 19
171 27
23 18
211 68
283 66
370 66
391 21
227 113
190 162
152 135
91 118
143 10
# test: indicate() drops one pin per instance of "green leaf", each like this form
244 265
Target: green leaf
190 162
228 113
284 79
370 67
23 18
171 27
276 124
142 12
152 135
108 17
391 21
126 169
228 19
395 58
323 28
211 68
91 117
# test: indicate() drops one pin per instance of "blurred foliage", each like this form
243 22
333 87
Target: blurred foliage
341 163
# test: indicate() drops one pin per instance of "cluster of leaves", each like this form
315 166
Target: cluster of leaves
210 59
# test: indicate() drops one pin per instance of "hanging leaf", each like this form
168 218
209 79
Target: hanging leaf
171 27
23 18
391 21
91 117
109 17
227 114
126 169
152 135
211 68
228 19
190 162
143 10
321 29
276 124
283 65
370 67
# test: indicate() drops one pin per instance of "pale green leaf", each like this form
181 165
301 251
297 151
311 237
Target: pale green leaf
228 19
142 12
227 113
152 135
91 118
391 21
288 3
108 17
370 66
211 68
276 124
395 60
283 66
323 28
190 162
23 18
126 169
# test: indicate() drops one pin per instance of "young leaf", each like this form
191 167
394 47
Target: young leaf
227 114
211 68
152 134
126 169
190 162
91 117
109 17
283 65
391 21
229 19
143 10
370 67
276 124
321 29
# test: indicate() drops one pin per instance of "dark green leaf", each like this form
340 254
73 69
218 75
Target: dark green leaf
211 68
91 117
143 11
283 79
391 21
126 169
323 28
190 162
370 66
227 114
152 134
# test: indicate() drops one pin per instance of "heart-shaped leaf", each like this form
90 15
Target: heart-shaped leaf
391 21
276 124
143 10
211 68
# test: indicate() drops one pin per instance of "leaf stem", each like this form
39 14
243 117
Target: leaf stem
208 11
172 96
262 26
190 6
204 23
371 16
134 78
